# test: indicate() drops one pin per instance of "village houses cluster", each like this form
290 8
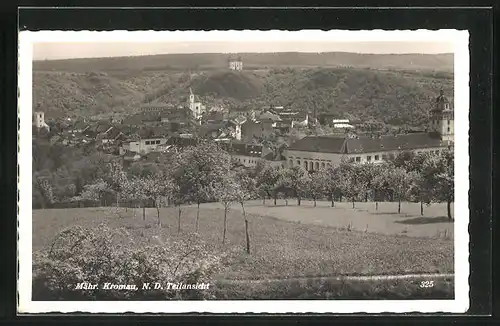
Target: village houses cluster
161 128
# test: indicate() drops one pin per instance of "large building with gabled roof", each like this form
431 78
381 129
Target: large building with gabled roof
315 152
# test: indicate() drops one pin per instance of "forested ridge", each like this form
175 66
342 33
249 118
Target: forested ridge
393 97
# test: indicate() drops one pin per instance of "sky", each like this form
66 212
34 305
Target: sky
70 50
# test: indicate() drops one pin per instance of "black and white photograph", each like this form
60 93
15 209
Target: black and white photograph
243 171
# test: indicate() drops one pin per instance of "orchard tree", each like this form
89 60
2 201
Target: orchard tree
246 190
226 191
366 178
296 179
347 176
380 185
316 186
116 179
44 187
157 188
267 180
438 173
197 169
133 190
95 191
419 190
331 181
399 182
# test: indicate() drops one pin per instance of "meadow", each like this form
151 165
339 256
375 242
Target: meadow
283 246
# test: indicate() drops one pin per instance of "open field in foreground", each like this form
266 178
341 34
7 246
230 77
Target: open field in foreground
364 217
280 249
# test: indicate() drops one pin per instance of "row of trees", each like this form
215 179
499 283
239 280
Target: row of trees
423 178
206 173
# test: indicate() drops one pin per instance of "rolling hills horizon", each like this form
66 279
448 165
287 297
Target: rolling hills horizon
262 60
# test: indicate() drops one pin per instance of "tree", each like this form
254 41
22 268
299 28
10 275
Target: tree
267 179
116 179
133 190
420 191
296 179
245 190
347 177
95 191
316 187
157 188
45 189
380 184
438 173
331 182
399 182
197 169
366 177
226 192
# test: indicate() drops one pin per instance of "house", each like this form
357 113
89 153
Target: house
247 155
144 146
79 127
111 135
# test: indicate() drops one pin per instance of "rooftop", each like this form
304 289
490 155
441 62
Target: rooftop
366 144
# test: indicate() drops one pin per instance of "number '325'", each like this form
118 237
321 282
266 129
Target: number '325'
426 284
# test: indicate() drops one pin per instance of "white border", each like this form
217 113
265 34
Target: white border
461 71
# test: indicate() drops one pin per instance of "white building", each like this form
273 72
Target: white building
195 106
235 64
144 146
315 152
39 120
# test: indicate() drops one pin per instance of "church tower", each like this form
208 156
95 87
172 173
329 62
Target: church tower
442 119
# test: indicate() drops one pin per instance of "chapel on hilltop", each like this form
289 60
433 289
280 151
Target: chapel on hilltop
235 64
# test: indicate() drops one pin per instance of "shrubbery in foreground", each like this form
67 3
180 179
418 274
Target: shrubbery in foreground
103 255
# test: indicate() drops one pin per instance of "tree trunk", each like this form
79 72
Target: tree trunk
143 211
246 228
366 197
399 206
448 207
225 225
422 208
158 214
197 215
179 220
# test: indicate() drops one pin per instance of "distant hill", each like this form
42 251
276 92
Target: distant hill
391 97
205 61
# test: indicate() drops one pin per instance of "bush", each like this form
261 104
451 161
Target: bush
102 255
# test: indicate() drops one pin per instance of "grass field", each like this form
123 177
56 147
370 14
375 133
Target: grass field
364 217
282 248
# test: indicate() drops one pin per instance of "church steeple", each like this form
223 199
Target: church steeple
442 118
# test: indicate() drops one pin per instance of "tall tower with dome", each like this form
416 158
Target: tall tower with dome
442 119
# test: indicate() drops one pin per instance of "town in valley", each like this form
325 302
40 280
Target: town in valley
263 175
